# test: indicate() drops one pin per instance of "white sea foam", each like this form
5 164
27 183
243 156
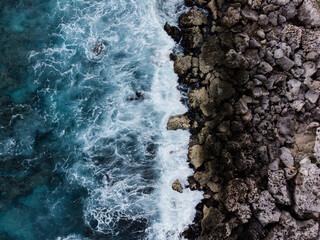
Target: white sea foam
130 159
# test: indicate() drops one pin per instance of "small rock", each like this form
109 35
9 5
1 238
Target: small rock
293 89
297 105
312 96
278 54
309 13
309 69
176 185
264 68
285 63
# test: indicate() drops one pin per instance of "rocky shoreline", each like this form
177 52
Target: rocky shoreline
253 70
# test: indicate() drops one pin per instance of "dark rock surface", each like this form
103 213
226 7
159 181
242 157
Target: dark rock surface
253 70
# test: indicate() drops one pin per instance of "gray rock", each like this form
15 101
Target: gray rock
312 56
176 185
263 20
297 105
289 11
280 2
259 92
309 13
310 40
312 84
278 188
309 69
264 68
293 89
285 63
249 13
273 18
289 228
278 54
286 157
312 96
298 60
307 189
290 172
178 122
265 209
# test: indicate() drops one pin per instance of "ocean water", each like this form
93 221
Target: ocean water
81 155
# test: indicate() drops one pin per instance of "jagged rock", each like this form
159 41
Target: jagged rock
278 54
196 156
220 90
286 157
191 37
214 187
197 97
274 79
292 36
182 64
178 122
285 63
310 40
241 41
213 8
235 199
249 13
211 54
255 4
214 224
278 188
309 69
293 89
297 105
312 84
192 18
265 209
280 2
253 194
236 60
307 189
312 96
309 13
289 11
290 172
289 228
265 68
173 32
176 185
241 107
232 16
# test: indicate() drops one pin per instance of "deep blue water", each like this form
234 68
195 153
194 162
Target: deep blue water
78 158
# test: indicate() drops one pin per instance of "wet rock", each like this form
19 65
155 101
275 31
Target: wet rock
309 13
285 63
178 122
289 228
182 64
213 8
312 96
265 209
278 188
307 189
197 97
211 54
173 32
312 84
192 18
196 156
286 157
191 37
176 185
232 16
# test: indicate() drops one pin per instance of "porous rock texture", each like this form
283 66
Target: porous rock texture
253 69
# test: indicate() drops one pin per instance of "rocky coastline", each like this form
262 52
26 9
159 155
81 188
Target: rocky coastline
253 70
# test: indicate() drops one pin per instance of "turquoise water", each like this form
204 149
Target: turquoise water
81 157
